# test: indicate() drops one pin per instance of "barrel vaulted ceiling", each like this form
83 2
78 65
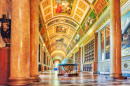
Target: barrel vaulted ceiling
62 19
64 22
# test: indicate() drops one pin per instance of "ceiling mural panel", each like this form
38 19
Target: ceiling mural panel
59 39
61 29
79 12
63 6
56 43
46 3
77 18
50 31
99 6
76 39
52 22
48 16
80 32
62 20
48 10
82 5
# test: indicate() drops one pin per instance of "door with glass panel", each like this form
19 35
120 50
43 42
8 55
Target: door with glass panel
105 50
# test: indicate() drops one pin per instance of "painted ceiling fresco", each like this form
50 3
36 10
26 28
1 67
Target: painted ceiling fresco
65 22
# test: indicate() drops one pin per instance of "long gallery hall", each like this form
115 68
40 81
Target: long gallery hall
64 43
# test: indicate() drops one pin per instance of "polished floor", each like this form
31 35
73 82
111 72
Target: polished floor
84 79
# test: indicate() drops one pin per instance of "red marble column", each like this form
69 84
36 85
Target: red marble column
95 53
20 43
34 39
79 67
115 32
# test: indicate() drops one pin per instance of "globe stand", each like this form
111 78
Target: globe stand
69 73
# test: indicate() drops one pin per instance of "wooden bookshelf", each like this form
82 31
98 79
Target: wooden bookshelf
90 55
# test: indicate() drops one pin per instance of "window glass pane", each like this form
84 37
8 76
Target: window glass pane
107 42
102 44
39 52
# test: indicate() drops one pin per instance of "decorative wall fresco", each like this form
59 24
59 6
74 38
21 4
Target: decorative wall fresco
71 46
47 42
73 43
43 30
64 44
76 39
64 6
125 26
40 23
56 43
99 6
62 20
59 39
72 23
80 32
90 20
60 29
67 51
52 22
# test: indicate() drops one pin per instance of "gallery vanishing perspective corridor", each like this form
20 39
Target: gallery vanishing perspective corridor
64 42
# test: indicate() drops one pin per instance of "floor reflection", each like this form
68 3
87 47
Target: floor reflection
84 79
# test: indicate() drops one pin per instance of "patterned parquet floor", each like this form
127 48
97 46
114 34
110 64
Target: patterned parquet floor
84 79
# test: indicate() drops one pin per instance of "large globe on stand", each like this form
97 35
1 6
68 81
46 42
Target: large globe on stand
68 68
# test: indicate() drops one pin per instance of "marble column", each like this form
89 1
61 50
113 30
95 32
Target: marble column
3 8
42 59
115 38
95 53
79 67
51 64
34 39
20 43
